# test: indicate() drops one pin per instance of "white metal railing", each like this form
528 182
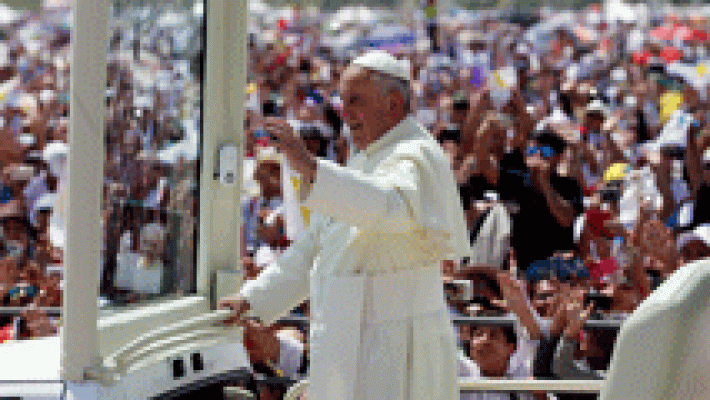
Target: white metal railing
577 386
191 330
473 321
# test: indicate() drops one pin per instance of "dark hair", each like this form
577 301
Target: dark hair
549 138
450 134
461 104
509 332
510 335
24 223
310 133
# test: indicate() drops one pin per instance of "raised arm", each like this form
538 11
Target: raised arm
663 180
524 122
641 281
515 296
487 135
562 209
563 365
389 200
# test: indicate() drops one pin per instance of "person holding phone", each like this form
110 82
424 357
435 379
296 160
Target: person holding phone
548 202
697 164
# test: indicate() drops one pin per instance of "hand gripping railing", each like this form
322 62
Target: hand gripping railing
468 384
186 331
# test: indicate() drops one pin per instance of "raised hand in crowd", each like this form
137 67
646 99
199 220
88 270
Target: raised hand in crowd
295 150
662 167
559 312
523 122
577 316
488 134
8 270
479 102
516 299
641 250
654 239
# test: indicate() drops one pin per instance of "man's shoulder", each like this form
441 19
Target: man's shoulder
419 147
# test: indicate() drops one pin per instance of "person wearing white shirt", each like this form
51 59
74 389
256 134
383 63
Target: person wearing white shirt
496 353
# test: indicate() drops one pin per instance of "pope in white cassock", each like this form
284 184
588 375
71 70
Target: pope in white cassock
370 259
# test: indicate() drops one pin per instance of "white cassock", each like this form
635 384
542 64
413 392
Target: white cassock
662 351
371 258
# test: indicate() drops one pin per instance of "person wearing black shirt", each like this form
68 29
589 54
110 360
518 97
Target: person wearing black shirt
548 203
698 171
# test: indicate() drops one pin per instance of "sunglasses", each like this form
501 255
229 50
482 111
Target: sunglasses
545 151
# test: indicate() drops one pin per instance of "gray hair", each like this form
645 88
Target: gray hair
390 83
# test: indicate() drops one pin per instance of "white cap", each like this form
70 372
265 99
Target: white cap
268 154
706 156
597 106
46 201
26 139
701 233
384 62
55 154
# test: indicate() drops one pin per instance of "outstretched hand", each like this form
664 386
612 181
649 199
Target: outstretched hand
577 317
294 148
513 291
239 307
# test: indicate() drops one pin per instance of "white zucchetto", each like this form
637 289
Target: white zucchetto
384 62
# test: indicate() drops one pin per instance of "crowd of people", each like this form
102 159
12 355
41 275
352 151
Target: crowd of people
581 151
582 163
150 191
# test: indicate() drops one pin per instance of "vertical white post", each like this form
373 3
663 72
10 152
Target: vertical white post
79 339
224 95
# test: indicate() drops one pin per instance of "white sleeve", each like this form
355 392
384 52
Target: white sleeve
285 283
389 201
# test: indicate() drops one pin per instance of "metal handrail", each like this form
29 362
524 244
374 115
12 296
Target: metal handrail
468 384
16 311
117 359
301 321
482 321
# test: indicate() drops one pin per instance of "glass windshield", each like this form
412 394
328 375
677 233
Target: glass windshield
34 111
153 131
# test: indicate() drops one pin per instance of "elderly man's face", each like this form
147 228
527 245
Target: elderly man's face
366 108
